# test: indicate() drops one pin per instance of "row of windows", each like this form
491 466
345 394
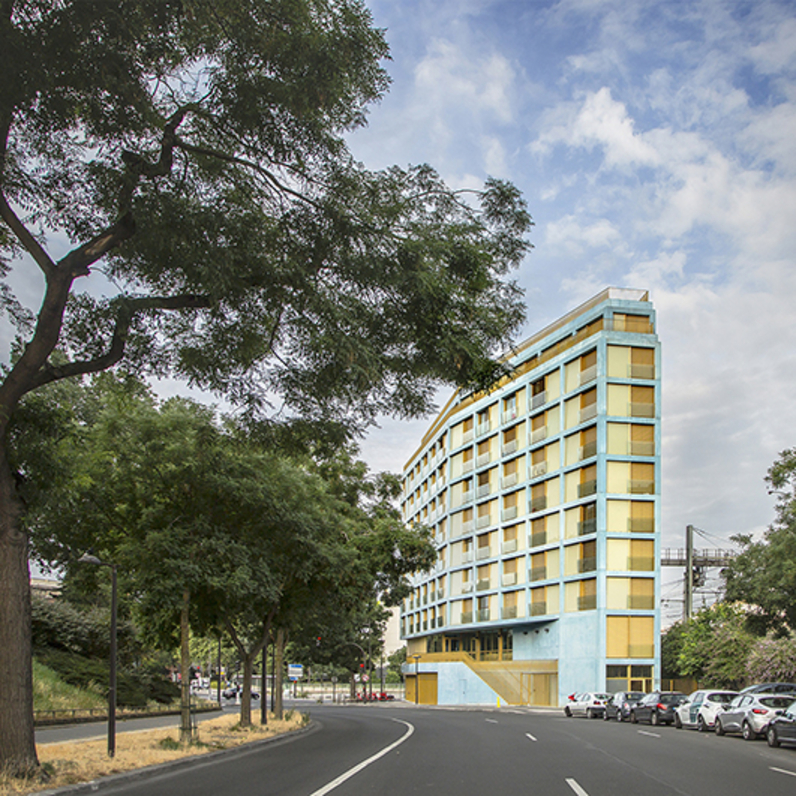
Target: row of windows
622 594
622 363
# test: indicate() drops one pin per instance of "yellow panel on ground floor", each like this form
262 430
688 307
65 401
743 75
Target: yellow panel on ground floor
428 688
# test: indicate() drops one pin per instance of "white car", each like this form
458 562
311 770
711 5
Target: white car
590 704
701 708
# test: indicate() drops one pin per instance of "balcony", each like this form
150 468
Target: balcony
640 602
588 412
440 621
587 375
641 371
440 594
467 556
635 325
642 410
641 448
483 614
641 487
483 459
587 488
509 612
586 527
538 504
537 573
509 447
483 585
466 617
641 524
588 564
484 552
467 497
467 586
467 465
509 579
509 513
483 521
640 564
588 450
538 470
538 434
483 428
510 546
483 490
510 479
539 538
425 624
467 436
509 414
537 608
587 602
540 399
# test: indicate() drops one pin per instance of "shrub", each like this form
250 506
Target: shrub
773 660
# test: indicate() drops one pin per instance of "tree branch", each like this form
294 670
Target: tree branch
24 236
128 309
77 262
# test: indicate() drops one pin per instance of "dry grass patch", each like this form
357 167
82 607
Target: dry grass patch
83 761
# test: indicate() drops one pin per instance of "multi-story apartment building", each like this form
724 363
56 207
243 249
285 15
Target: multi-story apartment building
543 496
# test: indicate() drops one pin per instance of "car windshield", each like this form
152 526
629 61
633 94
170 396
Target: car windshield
671 699
777 702
723 699
602 696
635 695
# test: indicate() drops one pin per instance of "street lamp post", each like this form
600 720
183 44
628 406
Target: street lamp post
417 678
87 558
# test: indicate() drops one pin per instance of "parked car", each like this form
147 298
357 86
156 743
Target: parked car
701 708
590 704
750 714
618 706
782 729
657 707
232 691
770 688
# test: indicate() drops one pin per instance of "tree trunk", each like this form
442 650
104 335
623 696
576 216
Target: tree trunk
246 695
279 665
186 731
17 741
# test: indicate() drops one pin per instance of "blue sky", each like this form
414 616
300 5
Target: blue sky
655 143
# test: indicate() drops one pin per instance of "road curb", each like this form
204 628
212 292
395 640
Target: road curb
95 785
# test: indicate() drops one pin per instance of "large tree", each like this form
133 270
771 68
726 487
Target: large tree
764 572
188 157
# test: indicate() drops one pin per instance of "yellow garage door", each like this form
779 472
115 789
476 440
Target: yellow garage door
428 688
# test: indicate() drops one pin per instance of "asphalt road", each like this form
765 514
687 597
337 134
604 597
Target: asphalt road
394 749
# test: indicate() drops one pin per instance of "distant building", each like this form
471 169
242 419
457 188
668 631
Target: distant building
45 588
544 498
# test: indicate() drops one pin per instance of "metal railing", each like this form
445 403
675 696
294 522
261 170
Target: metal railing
586 527
587 488
537 573
537 608
538 503
642 410
539 538
588 564
587 602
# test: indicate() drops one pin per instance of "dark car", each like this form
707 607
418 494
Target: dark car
618 707
770 688
782 729
657 707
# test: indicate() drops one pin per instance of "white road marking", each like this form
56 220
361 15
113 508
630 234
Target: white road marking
492 721
372 759
650 734
530 736
577 788
783 771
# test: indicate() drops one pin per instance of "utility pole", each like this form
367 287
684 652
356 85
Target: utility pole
689 572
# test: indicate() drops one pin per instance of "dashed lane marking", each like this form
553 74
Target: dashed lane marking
530 736
783 771
577 788
650 734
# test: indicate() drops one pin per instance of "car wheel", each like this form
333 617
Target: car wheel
567 712
633 717
719 729
654 718
748 733
701 726
620 715
771 737
606 717
677 722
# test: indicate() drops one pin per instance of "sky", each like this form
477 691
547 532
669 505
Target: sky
655 144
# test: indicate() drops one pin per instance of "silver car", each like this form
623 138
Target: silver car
750 714
591 704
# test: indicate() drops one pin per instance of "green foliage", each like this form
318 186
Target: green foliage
671 647
773 660
395 664
715 646
50 692
764 573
